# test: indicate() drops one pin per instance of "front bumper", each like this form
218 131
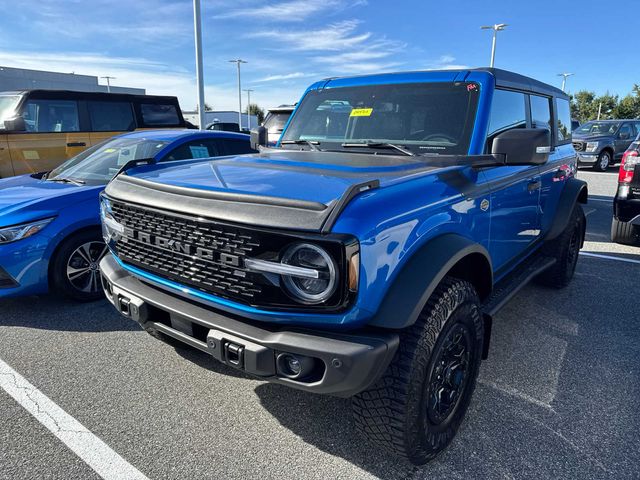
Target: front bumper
24 267
587 158
344 364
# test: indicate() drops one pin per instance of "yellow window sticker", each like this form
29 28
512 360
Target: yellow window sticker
361 112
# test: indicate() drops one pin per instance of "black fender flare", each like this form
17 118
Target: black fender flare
575 191
422 273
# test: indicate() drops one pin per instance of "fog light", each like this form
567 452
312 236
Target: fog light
290 365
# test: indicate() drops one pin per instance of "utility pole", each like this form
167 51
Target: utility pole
248 90
197 27
564 78
599 110
107 77
496 28
238 61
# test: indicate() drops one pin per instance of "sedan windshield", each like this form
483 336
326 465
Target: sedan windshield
7 107
98 164
419 117
598 128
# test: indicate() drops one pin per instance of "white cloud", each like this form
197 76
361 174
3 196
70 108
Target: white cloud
286 76
289 11
446 62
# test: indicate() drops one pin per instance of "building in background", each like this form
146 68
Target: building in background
12 79
223 116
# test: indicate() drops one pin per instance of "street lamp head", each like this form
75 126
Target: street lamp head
238 61
496 27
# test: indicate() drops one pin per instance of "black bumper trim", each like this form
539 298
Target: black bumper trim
352 361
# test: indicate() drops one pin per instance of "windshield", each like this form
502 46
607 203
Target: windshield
276 121
600 128
421 117
7 107
98 164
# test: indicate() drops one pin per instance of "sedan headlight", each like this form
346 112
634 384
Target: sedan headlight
312 288
591 147
24 230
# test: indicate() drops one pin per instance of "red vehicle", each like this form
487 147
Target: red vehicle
625 226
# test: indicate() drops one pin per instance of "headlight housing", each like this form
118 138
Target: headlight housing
110 228
308 287
24 230
592 146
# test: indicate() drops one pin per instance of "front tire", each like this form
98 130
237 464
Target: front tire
624 233
415 409
603 162
74 270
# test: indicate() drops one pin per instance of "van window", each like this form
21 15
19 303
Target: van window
51 116
564 121
155 114
111 116
507 112
540 112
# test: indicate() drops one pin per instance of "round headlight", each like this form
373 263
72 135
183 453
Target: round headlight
309 289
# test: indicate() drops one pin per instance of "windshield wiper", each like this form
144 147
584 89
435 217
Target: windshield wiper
312 144
74 181
400 149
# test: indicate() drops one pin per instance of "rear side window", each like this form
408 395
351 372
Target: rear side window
540 112
51 116
159 115
111 116
237 147
563 134
507 112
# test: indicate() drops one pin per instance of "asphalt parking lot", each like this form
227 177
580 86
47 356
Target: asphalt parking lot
557 398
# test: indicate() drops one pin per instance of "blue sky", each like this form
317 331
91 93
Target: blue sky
291 43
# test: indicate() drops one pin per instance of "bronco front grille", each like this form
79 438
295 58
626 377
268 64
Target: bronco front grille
578 146
209 255
221 273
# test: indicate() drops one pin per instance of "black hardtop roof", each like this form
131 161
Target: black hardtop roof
507 79
90 95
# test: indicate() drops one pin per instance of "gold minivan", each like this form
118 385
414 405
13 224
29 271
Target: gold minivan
40 129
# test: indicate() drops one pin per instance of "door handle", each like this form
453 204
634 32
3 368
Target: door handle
76 144
534 185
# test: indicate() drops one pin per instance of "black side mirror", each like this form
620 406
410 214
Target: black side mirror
523 146
258 138
15 124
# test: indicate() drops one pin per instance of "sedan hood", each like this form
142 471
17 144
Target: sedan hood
25 198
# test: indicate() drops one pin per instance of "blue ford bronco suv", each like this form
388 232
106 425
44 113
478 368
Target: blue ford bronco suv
366 255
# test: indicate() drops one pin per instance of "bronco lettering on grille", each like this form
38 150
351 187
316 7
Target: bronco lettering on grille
181 247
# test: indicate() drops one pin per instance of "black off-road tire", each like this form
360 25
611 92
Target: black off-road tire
625 233
400 413
59 273
598 166
565 249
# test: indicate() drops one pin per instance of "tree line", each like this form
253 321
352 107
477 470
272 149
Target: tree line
585 105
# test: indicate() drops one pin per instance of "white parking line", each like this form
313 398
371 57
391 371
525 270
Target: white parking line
609 257
93 451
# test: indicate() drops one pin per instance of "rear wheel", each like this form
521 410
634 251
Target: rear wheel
415 409
75 269
624 233
603 162
565 249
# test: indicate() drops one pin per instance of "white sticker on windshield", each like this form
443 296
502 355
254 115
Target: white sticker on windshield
199 151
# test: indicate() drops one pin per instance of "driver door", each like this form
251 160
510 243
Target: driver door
623 139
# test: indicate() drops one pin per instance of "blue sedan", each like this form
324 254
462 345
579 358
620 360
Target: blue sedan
50 237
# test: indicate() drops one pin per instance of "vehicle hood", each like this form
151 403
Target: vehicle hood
25 198
591 138
298 175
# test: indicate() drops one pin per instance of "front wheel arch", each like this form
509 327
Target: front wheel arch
56 251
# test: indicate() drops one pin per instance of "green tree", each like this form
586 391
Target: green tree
629 106
607 105
254 109
582 106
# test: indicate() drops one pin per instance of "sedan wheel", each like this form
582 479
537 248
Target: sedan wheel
83 271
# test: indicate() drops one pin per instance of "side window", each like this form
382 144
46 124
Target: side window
237 147
507 112
51 116
111 116
563 111
625 132
540 112
636 126
193 149
159 115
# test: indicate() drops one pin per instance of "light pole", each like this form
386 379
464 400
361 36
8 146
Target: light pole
248 90
107 77
199 75
238 62
564 78
496 28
